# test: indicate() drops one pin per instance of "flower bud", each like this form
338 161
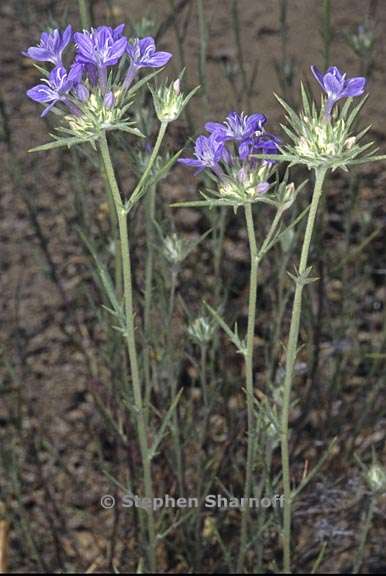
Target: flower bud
82 92
109 100
177 86
169 101
287 195
350 142
173 249
262 188
201 330
376 478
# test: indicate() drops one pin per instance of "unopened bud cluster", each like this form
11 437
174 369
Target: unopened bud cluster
201 330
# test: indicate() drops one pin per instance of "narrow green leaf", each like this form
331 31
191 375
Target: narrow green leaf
161 433
104 276
61 142
233 336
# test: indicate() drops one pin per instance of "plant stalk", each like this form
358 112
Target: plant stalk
142 181
255 258
290 366
142 431
149 269
84 13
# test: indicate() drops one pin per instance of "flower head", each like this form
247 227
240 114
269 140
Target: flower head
143 54
169 101
94 88
237 127
209 151
51 46
102 46
57 87
263 144
229 152
338 86
317 139
376 478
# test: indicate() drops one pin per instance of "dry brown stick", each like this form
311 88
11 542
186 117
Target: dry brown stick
4 533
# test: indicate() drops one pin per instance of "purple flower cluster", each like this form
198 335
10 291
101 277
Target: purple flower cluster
338 86
230 148
96 51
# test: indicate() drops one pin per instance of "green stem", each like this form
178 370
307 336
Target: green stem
114 232
327 32
152 159
290 366
172 374
131 344
84 12
364 535
149 268
203 375
239 47
249 378
202 73
255 258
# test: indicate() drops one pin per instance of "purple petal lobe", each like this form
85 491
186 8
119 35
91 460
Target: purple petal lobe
332 86
355 87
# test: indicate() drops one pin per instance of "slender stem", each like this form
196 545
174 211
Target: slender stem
202 72
84 12
114 232
239 47
172 375
327 32
364 534
131 344
203 375
290 365
149 268
249 378
255 258
152 159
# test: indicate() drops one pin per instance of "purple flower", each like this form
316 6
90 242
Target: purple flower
51 46
240 128
99 48
237 127
337 85
56 87
102 46
143 54
265 144
208 152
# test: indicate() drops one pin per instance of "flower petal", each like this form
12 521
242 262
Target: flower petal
215 127
118 31
355 86
39 54
245 149
146 44
41 93
119 47
317 75
67 37
333 87
158 59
